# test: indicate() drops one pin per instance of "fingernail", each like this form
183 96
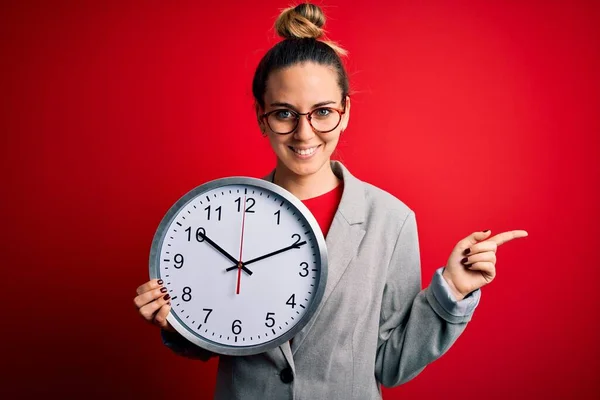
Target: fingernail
163 290
487 230
467 251
166 296
464 260
160 281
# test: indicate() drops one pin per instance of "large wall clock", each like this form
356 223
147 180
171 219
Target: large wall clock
245 264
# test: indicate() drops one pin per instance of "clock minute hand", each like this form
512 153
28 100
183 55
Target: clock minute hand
226 254
293 246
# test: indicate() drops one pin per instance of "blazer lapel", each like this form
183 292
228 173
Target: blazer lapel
286 350
344 237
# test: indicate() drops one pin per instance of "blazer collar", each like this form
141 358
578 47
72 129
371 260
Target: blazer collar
352 205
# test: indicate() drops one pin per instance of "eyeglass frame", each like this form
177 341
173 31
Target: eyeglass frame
341 113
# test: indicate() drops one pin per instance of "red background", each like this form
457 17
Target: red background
476 114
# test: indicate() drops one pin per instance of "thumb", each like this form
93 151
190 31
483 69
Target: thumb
481 235
476 237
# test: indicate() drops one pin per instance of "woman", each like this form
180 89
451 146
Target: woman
375 325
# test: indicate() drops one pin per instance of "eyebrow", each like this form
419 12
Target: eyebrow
288 105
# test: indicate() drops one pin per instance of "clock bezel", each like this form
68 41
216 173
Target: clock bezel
160 236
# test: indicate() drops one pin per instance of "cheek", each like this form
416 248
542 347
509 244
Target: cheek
331 142
277 141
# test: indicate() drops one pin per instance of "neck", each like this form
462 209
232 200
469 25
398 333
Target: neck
306 186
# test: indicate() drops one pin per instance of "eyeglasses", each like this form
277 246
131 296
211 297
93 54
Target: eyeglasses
322 120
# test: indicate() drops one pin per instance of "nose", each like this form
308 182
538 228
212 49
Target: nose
303 131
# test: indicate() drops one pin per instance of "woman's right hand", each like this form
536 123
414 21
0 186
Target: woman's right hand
153 303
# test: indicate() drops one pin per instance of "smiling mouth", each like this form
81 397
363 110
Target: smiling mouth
304 152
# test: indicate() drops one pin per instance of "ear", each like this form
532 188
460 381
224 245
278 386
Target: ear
259 111
346 116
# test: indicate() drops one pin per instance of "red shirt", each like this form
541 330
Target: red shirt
323 207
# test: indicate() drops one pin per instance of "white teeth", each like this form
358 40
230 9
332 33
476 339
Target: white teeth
304 152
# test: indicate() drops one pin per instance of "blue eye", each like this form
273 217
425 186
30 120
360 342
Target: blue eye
284 114
323 112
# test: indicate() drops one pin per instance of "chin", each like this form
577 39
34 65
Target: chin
304 168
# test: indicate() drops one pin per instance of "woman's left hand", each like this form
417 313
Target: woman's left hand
472 263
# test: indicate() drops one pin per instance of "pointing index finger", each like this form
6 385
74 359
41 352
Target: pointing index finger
504 237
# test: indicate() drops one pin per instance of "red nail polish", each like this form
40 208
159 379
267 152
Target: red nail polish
464 260
487 230
467 251
160 281
163 290
166 296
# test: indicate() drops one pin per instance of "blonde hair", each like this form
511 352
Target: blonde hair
305 20
301 27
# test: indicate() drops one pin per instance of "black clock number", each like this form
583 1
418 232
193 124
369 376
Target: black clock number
218 209
298 238
270 322
200 232
291 301
248 207
236 327
209 310
178 261
278 213
305 269
187 293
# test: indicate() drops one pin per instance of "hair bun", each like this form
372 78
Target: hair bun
303 21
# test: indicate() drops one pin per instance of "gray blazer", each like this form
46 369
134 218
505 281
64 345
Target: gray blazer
374 326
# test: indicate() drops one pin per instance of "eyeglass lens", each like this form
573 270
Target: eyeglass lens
321 119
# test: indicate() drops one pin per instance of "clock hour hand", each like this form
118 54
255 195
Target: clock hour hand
293 246
226 254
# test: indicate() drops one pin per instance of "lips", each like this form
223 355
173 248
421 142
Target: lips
305 151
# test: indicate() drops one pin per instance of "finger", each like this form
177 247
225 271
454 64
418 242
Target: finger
152 284
149 309
481 247
488 269
149 296
504 237
488 256
472 239
160 318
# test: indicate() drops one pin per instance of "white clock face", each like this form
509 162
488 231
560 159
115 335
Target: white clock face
231 307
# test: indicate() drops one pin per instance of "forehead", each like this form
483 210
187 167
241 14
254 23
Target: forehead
303 85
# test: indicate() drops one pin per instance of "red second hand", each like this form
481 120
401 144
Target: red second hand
239 275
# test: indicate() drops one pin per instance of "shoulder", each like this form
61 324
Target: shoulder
377 198
374 203
384 206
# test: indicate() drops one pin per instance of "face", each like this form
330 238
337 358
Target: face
304 88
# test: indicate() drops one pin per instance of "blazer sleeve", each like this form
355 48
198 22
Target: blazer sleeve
416 326
183 347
